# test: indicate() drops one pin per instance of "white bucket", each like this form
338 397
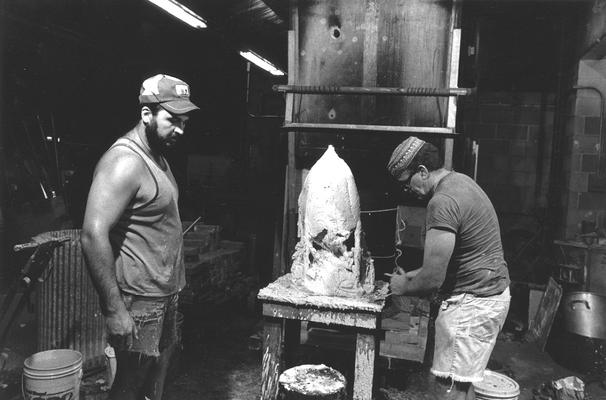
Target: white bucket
52 374
496 386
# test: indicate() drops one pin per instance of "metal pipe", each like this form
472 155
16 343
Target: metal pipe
192 225
56 152
385 91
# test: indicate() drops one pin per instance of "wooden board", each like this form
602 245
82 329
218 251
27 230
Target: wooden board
330 317
406 345
367 43
541 324
283 290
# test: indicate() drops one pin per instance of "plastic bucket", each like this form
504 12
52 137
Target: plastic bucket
496 386
52 374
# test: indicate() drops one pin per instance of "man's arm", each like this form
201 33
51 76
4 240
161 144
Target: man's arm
439 245
114 185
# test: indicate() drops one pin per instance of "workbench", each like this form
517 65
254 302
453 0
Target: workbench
285 305
581 266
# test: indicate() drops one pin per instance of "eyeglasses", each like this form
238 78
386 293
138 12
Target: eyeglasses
405 185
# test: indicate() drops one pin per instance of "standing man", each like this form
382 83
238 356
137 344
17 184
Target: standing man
463 259
132 240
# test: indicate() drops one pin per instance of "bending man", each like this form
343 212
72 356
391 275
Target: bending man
463 259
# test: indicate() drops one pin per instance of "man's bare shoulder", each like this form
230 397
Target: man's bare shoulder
120 164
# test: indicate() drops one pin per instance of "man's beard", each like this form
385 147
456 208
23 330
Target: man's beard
151 133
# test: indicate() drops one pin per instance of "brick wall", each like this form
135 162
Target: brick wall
510 127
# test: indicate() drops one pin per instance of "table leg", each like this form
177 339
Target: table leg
272 356
365 364
292 340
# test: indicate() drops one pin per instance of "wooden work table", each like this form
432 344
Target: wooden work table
287 304
581 266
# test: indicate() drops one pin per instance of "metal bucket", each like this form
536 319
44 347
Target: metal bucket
584 313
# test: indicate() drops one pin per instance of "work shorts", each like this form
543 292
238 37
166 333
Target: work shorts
466 332
156 322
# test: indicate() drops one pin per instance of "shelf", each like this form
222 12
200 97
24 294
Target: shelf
572 266
300 126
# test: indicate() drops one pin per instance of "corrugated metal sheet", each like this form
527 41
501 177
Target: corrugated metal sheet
68 313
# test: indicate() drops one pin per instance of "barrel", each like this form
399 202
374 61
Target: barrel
496 386
52 374
312 382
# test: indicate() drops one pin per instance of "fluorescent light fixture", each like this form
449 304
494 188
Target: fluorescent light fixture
261 63
180 11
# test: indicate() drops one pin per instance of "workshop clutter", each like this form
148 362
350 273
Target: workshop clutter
199 239
405 323
569 388
214 268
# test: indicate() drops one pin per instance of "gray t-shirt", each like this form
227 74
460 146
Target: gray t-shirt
477 265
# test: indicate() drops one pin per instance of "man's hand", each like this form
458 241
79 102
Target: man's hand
121 329
398 281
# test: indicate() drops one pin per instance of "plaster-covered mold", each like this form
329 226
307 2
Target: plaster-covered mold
329 259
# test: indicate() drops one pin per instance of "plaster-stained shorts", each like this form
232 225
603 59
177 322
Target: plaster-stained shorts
156 321
466 332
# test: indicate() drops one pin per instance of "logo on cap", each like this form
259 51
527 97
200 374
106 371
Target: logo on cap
182 90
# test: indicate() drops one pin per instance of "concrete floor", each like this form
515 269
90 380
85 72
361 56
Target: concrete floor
220 362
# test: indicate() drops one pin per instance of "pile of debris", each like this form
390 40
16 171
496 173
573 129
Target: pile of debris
569 388
405 324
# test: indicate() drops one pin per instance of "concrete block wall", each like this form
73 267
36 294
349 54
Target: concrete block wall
507 126
581 130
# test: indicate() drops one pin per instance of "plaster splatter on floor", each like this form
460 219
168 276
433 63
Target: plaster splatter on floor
218 365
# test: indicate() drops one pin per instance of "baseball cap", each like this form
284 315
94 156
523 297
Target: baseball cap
170 92
403 155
